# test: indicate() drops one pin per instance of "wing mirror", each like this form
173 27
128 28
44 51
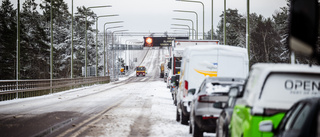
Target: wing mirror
266 126
303 27
192 91
234 92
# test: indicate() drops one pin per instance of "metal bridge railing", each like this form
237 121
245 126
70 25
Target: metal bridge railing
11 89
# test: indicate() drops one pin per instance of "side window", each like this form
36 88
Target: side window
201 86
292 116
301 118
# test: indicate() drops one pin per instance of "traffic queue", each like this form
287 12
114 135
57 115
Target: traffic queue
209 88
215 92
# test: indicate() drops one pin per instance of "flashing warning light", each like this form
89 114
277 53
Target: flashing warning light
149 40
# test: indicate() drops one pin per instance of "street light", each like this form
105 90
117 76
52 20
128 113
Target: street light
180 30
18 43
186 20
97 38
72 39
203 12
183 26
197 30
183 29
113 50
248 29
104 44
224 23
86 35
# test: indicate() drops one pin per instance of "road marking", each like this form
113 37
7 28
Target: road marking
81 127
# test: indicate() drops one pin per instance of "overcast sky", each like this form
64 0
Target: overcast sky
156 15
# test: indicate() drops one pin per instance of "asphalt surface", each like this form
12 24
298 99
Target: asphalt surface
85 111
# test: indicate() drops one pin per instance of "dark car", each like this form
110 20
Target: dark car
203 115
302 120
222 128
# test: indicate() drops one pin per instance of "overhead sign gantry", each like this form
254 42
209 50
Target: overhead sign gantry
160 41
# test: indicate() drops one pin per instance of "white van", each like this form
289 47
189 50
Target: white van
270 91
208 60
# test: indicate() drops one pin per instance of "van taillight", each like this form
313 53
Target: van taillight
205 99
186 85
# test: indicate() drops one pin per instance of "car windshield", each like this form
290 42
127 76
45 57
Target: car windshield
141 68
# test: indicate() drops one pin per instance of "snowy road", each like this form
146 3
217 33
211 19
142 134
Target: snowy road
133 106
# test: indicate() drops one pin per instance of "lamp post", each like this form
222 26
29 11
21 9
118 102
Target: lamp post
179 29
224 23
71 39
187 20
183 29
97 38
86 35
183 26
104 44
114 75
51 49
248 30
18 44
211 19
197 30
203 12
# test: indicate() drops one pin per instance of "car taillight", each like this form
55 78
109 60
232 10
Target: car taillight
186 85
205 98
208 117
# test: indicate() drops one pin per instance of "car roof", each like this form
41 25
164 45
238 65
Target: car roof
312 100
281 67
224 79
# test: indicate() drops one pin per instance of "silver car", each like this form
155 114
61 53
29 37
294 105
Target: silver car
203 115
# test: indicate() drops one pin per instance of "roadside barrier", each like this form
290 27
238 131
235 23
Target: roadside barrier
13 89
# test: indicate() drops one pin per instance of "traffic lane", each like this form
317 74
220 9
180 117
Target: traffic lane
29 118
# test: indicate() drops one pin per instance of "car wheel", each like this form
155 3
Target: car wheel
190 128
177 116
225 131
184 119
196 132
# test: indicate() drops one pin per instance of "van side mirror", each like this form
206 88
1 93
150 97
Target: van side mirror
219 105
266 126
234 92
303 27
192 91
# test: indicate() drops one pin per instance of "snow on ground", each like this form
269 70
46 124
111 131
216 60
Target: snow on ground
164 114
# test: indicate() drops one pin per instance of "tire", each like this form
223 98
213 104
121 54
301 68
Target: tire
225 131
196 131
184 119
190 128
177 116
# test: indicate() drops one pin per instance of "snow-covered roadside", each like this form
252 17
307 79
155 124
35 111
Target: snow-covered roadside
163 114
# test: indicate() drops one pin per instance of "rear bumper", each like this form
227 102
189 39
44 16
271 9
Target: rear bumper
140 73
206 124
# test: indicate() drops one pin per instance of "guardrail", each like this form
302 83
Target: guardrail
12 89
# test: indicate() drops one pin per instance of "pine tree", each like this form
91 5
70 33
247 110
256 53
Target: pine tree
8 38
